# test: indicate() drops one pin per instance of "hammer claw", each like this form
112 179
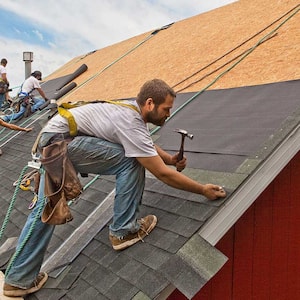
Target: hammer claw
183 133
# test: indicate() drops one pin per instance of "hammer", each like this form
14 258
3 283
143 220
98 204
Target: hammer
183 133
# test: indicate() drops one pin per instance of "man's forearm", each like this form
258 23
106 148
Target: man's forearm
166 157
42 93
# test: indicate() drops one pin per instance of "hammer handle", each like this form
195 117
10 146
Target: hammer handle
180 154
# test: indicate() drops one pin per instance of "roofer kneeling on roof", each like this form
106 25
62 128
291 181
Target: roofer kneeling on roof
113 140
27 99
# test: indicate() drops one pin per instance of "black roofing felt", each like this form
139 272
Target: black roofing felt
58 87
229 126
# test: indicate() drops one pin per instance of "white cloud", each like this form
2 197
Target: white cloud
38 34
79 27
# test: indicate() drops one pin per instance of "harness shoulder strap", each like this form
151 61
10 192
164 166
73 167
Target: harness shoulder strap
63 110
68 115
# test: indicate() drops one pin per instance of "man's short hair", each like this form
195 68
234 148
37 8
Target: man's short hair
156 89
3 61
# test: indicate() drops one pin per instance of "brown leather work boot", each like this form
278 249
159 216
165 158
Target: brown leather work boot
146 226
13 291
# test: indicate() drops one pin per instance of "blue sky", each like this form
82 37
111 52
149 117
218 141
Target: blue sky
57 31
20 28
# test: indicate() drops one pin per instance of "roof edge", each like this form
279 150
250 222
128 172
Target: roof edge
226 217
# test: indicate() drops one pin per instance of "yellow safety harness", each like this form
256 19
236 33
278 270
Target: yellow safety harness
64 111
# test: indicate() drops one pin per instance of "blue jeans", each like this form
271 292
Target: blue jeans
37 103
89 155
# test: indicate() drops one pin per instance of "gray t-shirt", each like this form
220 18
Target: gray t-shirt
112 122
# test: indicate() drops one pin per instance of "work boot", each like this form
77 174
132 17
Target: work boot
146 225
12 291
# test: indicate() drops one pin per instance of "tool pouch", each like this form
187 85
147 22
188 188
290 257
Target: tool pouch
61 183
3 87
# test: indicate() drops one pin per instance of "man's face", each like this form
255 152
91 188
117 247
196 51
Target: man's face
159 114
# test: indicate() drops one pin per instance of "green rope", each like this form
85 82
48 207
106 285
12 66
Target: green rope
220 67
152 132
16 87
118 59
12 112
108 66
267 36
23 124
91 182
2 130
85 187
20 248
41 206
235 48
12 203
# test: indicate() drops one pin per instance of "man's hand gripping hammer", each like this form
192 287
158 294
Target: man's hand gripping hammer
183 133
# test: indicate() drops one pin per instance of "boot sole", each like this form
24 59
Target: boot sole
134 241
18 292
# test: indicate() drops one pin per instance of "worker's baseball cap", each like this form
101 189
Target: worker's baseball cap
37 75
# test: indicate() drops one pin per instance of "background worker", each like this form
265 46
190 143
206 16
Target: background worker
29 101
3 78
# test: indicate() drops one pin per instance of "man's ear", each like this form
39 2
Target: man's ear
149 104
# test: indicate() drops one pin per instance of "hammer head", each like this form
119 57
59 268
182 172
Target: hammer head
184 133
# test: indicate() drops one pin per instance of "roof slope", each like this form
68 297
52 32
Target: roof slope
240 121
202 45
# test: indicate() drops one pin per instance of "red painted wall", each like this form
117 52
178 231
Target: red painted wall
263 247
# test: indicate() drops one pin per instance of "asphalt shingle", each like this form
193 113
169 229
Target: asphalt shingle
235 131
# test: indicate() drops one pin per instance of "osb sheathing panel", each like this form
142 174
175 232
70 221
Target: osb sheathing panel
199 52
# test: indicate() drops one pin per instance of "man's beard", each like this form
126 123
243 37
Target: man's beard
152 118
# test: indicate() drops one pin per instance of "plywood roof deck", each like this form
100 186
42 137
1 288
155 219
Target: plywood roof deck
193 44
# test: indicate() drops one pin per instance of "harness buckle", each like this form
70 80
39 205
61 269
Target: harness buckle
35 163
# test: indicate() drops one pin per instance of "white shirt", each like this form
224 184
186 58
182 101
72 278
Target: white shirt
2 70
30 84
112 122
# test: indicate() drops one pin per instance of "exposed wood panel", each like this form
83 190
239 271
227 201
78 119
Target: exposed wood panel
197 50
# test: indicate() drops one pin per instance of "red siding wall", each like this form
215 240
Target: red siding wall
263 247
